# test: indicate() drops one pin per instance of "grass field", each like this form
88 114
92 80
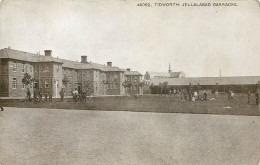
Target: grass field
162 104
33 136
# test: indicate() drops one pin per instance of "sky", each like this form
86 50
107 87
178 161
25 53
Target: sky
196 40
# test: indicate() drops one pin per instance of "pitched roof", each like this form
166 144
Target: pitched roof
30 57
158 74
25 56
132 73
175 74
240 80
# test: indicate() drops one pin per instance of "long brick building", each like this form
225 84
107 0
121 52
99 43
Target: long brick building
49 73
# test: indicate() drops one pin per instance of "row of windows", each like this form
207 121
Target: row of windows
135 78
15 84
112 86
24 68
47 84
43 68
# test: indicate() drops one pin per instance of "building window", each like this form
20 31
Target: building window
115 85
14 83
58 68
135 87
23 68
47 85
111 86
42 68
14 67
47 68
31 68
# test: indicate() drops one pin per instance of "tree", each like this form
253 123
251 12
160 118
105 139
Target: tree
127 85
27 79
141 84
65 82
151 87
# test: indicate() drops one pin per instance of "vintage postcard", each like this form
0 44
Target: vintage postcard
144 82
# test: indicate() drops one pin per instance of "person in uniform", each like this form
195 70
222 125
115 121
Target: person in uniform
257 97
248 96
62 95
50 96
46 96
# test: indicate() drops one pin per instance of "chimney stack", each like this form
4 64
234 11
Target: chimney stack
128 69
84 59
47 52
109 64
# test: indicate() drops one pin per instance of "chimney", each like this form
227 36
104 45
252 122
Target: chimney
84 59
128 69
47 52
109 64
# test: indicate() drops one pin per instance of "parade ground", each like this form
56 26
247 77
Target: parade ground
150 103
54 136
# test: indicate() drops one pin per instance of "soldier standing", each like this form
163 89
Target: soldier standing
50 96
40 95
248 96
84 95
257 96
28 94
46 96
61 95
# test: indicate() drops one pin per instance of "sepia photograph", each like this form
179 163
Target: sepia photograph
129 82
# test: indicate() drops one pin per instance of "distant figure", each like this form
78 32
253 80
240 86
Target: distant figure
248 96
216 94
229 94
190 95
62 95
205 95
28 93
84 95
193 98
50 96
46 96
182 95
185 95
35 96
195 95
232 95
257 97
40 95
2 109
75 95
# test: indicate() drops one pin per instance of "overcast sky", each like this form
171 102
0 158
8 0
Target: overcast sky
196 40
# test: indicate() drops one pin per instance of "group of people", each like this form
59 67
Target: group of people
75 95
193 95
39 95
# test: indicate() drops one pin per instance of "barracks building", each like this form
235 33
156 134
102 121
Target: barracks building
49 74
